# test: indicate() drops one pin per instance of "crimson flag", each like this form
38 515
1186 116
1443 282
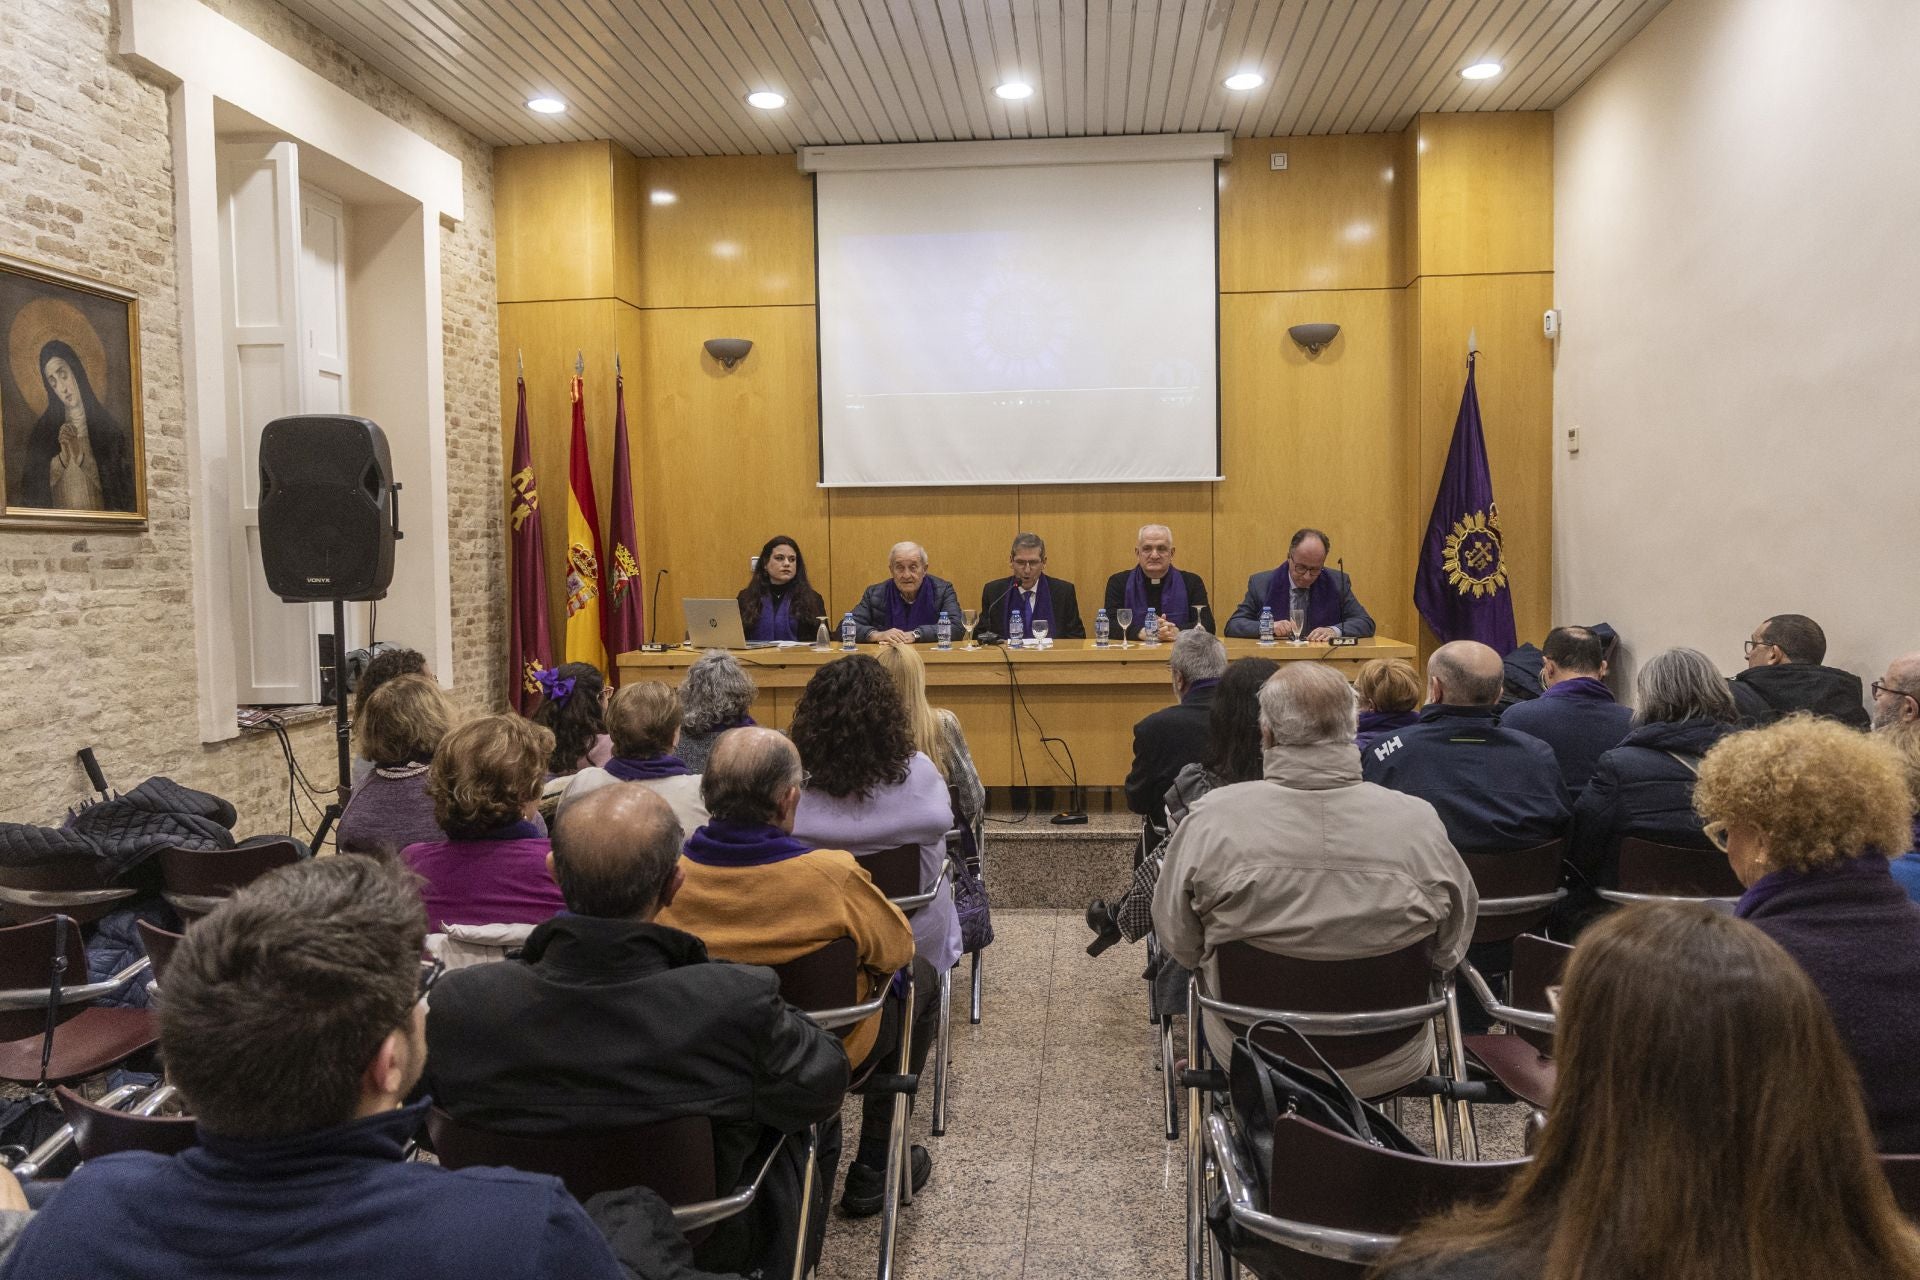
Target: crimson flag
530 638
626 619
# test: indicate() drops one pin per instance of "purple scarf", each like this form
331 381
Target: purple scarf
774 624
631 769
742 844
1173 596
1042 605
1323 599
923 612
1866 866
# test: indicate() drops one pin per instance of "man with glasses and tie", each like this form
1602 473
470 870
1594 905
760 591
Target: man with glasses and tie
1303 586
1033 593
1784 675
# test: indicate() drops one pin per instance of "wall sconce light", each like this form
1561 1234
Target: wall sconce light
728 351
1313 338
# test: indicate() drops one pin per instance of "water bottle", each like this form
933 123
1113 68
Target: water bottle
847 632
1266 625
1016 628
944 631
821 640
1101 629
1150 628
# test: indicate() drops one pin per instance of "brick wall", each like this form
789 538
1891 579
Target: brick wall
96 631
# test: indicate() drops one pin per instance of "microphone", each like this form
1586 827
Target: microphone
991 636
653 613
1346 596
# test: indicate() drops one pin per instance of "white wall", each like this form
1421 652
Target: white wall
1737 255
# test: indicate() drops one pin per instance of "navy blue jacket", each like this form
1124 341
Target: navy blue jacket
1579 719
1375 725
1639 789
1497 790
1245 622
340 1202
1165 743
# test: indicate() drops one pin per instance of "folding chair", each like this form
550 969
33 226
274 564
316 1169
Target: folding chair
72 887
1651 872
896 872
1521 1062
1903 1175
195 880
100 1130
159 945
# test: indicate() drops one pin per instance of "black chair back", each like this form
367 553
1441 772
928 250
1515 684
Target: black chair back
1264 980
827 978
159 944
895 871
101 1131
1522 873
73 887
1670 871
1903 1175
190 877
26 964
1537 964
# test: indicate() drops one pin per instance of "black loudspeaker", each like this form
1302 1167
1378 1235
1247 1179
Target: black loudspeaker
328 509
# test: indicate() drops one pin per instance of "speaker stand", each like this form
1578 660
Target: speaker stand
342 729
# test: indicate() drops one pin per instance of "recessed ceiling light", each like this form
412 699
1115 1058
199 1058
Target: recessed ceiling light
1245 80
766 100
1480 71
1014 90
546 106
663 197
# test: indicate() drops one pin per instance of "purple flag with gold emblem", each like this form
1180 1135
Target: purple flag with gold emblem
627 624
1461 589
530 636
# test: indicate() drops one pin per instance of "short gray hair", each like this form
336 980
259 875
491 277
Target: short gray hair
1683 684
1198 655
717 691
1304 704
1141 536
898 547
1032 540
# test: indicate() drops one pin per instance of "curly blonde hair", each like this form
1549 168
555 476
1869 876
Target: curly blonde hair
1820 792
486 771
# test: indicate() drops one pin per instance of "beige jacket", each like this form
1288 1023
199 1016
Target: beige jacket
1313 863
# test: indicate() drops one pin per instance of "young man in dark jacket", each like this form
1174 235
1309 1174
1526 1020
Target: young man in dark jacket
1576 714
292 1023
607 1019
1784 675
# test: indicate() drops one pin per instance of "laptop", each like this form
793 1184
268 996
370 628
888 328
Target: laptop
715 624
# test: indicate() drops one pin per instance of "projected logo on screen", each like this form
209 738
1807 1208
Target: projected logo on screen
1017 327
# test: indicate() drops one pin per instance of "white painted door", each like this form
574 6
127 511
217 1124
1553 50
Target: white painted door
323 330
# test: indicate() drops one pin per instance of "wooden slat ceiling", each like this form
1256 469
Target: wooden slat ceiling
670 77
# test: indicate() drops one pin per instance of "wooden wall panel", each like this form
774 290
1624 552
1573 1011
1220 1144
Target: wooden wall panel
1327 221
553 221
1090 530
738 232
1486 192
965 530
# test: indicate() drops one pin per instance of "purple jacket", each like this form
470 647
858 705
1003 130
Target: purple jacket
389 811
498 878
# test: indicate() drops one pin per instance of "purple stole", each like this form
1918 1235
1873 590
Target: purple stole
923 612
1173 596
1323 599
742 844
774 624
652 768
1042 605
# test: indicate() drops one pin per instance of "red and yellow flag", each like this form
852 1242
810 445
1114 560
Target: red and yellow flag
586 580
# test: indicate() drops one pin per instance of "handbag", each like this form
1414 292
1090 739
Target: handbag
970 901
1264 1085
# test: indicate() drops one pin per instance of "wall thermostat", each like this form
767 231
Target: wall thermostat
1550 322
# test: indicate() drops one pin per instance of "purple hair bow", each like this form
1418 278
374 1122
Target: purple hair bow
554 685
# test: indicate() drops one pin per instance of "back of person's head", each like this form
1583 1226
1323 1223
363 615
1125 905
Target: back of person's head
486 771
749 773
908 671
717 691
404 720
851 729
1575 650
1388 684
1797 637
643 719
1707 1121
1197 655
572 712
1819 792
382 667
1233 721
1468 673
1683 684
279 999
1304 704
615 851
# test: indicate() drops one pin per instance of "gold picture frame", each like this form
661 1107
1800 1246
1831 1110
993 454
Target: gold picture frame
72 442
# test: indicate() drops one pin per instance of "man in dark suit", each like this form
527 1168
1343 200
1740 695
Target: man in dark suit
1174 737
1784 675
1575 714
1303 578
1033 593
1178 597
906 608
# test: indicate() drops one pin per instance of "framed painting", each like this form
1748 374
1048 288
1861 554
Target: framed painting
72 447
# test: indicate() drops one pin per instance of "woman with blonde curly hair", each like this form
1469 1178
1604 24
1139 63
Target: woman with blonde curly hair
1808 812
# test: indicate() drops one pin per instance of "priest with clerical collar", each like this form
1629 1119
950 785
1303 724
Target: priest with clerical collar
906 608
1032 593
1304 579
1178 598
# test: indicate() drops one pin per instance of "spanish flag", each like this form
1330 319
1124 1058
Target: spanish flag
586 583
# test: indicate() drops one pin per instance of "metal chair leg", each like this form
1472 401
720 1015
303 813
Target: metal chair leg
973 1011
1442 1130
899 1175
1196 1138
1169 1087
1456 1052
807 1180
939 1126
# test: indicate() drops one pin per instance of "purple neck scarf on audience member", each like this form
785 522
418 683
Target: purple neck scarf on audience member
522 829
1042 604
632 769
1197 688
1173 596
1323 599
742 844
774 623
923 612
1866 866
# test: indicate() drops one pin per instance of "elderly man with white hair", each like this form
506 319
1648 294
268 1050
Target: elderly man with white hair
906 608
1178 598
1313 863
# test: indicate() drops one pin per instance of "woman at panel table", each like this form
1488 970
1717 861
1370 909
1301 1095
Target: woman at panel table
778 603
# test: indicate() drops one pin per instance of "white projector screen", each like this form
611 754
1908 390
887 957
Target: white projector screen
1021 324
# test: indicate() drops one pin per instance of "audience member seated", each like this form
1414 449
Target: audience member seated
398 730
609 1019
1389 691
756 895
644 722
716 696
1705 1122
1896 719
1177 598
1784 675
573 709
1496 789
778 603
1643 788
1576 714
936 731
1232 755
1312 862
383 666
1805 810
492 866
293 1026
906 608
1174 737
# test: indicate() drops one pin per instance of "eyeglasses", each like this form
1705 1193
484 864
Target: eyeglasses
1759 644
1879 688
430 971
1716 834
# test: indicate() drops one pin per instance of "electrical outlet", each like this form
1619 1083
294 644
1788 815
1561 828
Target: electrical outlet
1573 441
1277 160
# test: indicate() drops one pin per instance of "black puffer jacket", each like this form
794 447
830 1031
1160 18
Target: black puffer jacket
1764 694
121 835
1639 789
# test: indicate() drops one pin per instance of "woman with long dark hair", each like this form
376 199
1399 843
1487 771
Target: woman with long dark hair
778 603
77 457
574 711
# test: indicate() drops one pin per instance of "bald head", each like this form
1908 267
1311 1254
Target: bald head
1896 701
1464 673
616 853
749 777
1304 704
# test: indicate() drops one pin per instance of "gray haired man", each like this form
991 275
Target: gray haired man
1174 737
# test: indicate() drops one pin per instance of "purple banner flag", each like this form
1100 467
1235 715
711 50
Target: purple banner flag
1461 589
626 626
530 637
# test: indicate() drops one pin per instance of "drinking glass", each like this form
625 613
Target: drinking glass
969 619
1040 632
1298 617
1125 618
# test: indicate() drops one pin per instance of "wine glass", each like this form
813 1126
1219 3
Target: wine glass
1040 633
1298 617
969 619
1125 618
